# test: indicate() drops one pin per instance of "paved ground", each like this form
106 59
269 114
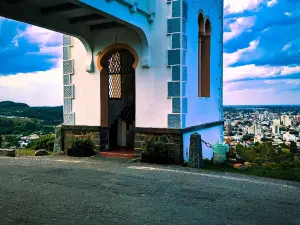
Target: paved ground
66 191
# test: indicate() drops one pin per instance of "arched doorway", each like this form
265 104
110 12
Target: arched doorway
117 66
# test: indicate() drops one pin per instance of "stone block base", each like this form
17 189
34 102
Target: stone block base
65 133
170 137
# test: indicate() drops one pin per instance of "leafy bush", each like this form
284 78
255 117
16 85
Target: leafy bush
44 142
80 142
81 146
154 146
245 153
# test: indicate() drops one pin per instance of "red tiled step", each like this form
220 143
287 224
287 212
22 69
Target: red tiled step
129 155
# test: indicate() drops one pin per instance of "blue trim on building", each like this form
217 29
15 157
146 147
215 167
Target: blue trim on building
176 27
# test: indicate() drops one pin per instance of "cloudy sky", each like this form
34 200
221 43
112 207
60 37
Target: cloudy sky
261 56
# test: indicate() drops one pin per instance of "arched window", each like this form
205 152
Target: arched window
201 30
204 57
206 61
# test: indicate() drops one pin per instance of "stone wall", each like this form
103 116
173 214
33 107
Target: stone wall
64 135
171 137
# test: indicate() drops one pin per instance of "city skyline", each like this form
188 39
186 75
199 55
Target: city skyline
257 71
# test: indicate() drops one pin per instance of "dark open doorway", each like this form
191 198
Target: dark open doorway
121 98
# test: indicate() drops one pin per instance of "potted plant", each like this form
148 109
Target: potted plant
81 147
155 151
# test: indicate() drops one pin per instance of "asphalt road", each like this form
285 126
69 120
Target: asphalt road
66 191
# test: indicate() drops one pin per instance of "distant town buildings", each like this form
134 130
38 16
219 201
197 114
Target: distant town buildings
275 129
276 122
255 129
298 118
289 137
228 128
278 125
286 121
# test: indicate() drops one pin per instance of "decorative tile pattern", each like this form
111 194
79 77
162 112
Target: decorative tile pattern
184 105
176 40
176 8
183 26
69 118
174 25
184 41
177 58
68 67
66 53
184 73
184 10
173 57
67 80
176 105
67 40
175 73
67 105
183 57
173 89
69 91
183 88
183 120
174 121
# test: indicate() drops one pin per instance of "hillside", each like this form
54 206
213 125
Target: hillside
29 119
10 104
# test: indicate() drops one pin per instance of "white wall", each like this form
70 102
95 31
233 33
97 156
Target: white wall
204 110
152 104
86 103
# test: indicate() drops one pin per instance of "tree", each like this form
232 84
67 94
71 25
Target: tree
293 148
248 137
294 132
264 139
0 141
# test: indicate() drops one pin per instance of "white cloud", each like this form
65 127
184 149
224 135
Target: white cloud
251 70
262 92
41 36
49 42
239 26
288 14
36 89
231 58
239 6
287 46
272 3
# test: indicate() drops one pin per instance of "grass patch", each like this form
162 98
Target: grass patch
27 152
275 172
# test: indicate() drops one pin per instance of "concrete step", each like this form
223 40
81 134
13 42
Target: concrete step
114 159
7 152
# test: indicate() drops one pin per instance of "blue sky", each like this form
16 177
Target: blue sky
261 56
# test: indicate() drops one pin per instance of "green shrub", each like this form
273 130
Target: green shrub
154 146
81 146
78 142
44 142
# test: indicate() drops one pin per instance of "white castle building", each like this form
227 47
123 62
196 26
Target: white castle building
136 68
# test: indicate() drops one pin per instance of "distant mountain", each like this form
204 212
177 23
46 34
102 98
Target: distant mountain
41 118
10 104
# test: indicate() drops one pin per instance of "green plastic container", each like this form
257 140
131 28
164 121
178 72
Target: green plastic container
220 151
